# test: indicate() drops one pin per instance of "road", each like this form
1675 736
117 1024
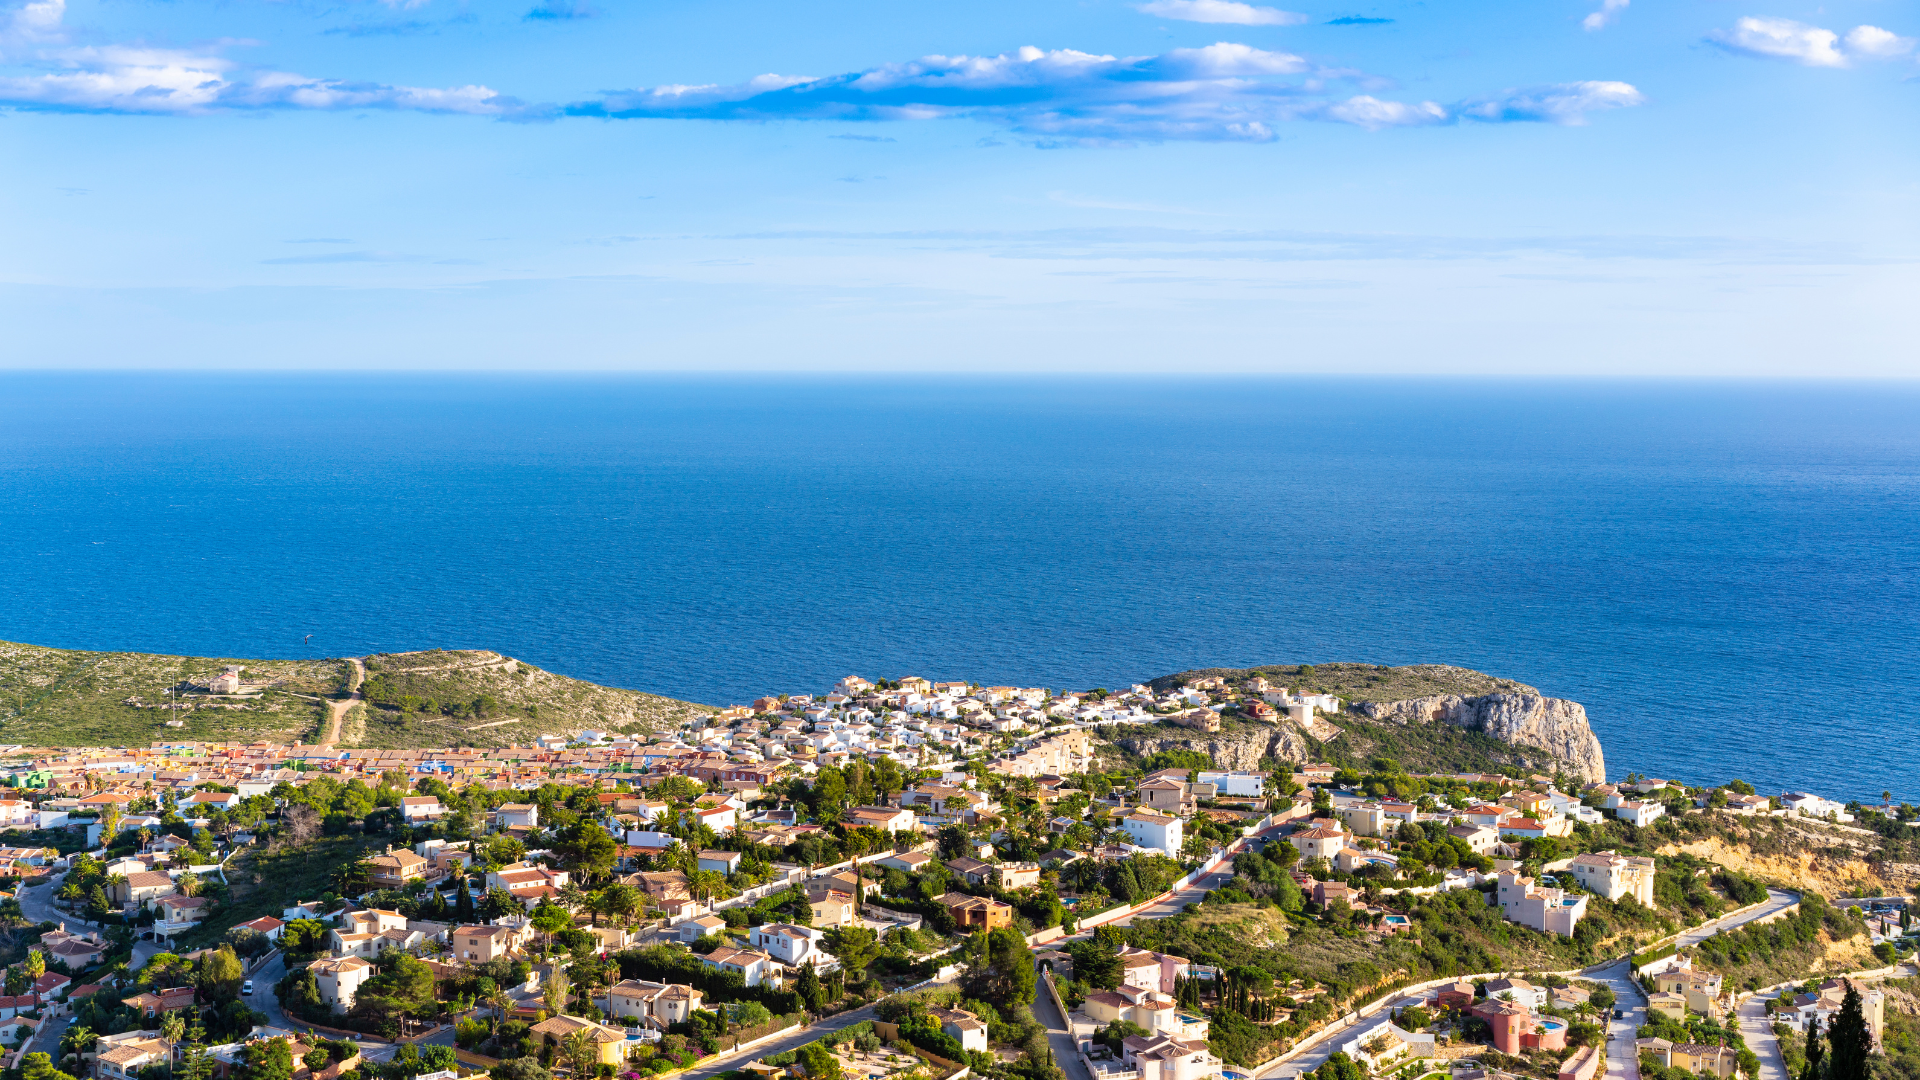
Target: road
1758 1031
1778 900
1178 902
1066 1053
337 710
720 1063
1623 1057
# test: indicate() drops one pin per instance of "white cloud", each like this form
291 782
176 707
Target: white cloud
1871 41
1222 11
1372 113
1563 103
137 79
1782 39
1600 19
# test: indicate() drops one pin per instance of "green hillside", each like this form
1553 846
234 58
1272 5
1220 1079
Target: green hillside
1361 682
67 697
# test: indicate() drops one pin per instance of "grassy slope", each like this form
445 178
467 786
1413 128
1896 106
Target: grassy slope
538 701
1362 682
64 697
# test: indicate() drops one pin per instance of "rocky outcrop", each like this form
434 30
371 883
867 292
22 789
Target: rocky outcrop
1553 725
1243 748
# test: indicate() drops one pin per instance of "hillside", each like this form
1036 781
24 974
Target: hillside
477 698
1428 717
67 697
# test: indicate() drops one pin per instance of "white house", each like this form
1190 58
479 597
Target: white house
1241 784
1639 812
1151 830
1807 805
792 945
754 967
339 978
418 808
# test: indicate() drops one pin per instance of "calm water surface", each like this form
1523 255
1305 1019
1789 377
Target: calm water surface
1723 573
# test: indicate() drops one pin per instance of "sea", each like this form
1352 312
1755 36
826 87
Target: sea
1723 573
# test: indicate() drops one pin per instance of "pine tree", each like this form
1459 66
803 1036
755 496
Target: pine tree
1849 1041
1816 1053
463 902
808 987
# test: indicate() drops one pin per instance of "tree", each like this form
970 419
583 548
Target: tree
269 1059
999 967
621 901
301 821
463 901
36 964
820 1062
172 1027
812 994
582 1051
555 995
856 946
525 1068
588 850
499 903
1849 1041
188 884
1816 1054
40 1067
218 974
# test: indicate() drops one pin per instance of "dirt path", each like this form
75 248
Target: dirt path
337 710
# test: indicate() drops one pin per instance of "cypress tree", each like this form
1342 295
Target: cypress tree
1849 1041
1816 1053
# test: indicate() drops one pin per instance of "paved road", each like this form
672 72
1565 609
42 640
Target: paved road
1758 1031
1778 900
1175 904
720 1063
1066 1052
1623 1057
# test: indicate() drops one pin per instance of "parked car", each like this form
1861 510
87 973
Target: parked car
247 987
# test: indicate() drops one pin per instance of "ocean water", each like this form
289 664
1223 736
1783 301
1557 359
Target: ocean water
1723 573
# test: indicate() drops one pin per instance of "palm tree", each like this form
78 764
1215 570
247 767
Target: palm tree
188 884
172 1027
582 1051
500 1001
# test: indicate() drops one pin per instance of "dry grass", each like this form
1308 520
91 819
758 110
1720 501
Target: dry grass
1362 682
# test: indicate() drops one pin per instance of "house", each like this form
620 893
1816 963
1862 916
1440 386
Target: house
1363 818
177 913
1319 842
517 816
208 801
1150 970
886 819
976 912
1700 990
554 1032
1154 1011
418 808
142 887
398 866
725 862
1160 832
125 1056
1478 838
964 1027
909 862
655 1004
1637 812
975 871
1710 1060
1518 991
479 944
267 926
339 978
754 967
792 945
693 930
156 1003
1161 1057
529 883
50 987
834 909
1243 785
1671 1005
1551 911
1016 875
75 950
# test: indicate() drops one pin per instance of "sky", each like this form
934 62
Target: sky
1560 187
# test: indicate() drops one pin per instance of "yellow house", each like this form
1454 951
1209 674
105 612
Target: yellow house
554 1033
1669 1004
1695 1058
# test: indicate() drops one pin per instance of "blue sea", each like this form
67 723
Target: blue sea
1723 573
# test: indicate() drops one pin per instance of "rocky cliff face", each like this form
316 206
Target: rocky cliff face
1554 725
1241 749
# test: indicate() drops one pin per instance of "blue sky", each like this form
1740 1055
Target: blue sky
1559 186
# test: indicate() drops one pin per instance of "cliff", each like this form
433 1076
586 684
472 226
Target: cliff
1428 717
1554 725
